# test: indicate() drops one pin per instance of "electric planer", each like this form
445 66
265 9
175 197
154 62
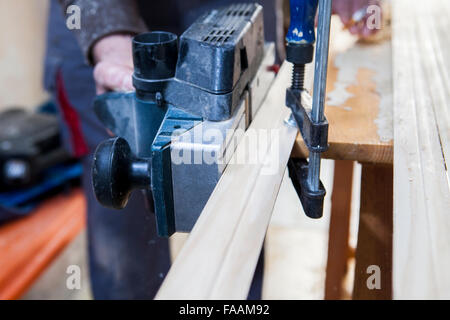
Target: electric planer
213 79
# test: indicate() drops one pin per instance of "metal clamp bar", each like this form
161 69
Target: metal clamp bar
320 77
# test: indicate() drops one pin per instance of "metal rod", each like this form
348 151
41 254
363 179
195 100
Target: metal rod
314 171
320 82
321 62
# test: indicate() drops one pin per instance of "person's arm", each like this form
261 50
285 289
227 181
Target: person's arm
101 18
107 27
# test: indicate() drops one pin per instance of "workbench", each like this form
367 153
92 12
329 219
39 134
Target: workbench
28 245
380 95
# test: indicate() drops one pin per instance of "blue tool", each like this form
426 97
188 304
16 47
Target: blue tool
308 112
18 203
302 26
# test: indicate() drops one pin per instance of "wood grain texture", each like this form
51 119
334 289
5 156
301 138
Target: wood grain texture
374 233
338 241
28 245
421 131
220 255
359 100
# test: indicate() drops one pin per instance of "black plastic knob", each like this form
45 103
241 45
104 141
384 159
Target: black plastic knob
117 172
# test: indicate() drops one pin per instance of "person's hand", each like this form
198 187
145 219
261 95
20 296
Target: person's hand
113 63
353 14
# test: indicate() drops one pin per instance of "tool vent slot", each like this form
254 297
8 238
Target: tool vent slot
239 13
227 22
240 10
219 36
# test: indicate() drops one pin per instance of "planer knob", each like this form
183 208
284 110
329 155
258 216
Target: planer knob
117 172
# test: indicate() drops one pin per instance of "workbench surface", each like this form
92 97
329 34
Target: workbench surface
359 100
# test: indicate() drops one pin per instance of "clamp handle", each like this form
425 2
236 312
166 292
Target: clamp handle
302 24
301 35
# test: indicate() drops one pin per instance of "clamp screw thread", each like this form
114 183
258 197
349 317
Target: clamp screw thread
298 77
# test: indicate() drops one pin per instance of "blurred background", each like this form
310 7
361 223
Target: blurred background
22 47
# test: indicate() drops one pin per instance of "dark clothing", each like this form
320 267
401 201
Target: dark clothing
103 17
127 260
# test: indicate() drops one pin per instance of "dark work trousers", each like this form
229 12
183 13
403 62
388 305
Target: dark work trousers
127 260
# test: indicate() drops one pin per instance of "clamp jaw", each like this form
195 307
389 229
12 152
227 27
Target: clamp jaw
307 111
315 136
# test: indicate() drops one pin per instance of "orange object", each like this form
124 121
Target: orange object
29 245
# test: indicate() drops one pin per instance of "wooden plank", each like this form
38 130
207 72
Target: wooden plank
220 255
28 245
359 100
421 130
434 26
374 246
338 246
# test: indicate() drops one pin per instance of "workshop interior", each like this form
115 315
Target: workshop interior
224 150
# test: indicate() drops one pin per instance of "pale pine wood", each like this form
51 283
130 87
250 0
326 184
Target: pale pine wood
421 257
220 255
435 25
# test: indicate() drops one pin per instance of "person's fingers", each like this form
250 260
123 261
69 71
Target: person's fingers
110 76
356 5
99 89
356 29
362 30
354 15
115 47
113 77
366 32
344 9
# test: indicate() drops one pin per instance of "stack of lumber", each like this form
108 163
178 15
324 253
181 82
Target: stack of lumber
421 67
